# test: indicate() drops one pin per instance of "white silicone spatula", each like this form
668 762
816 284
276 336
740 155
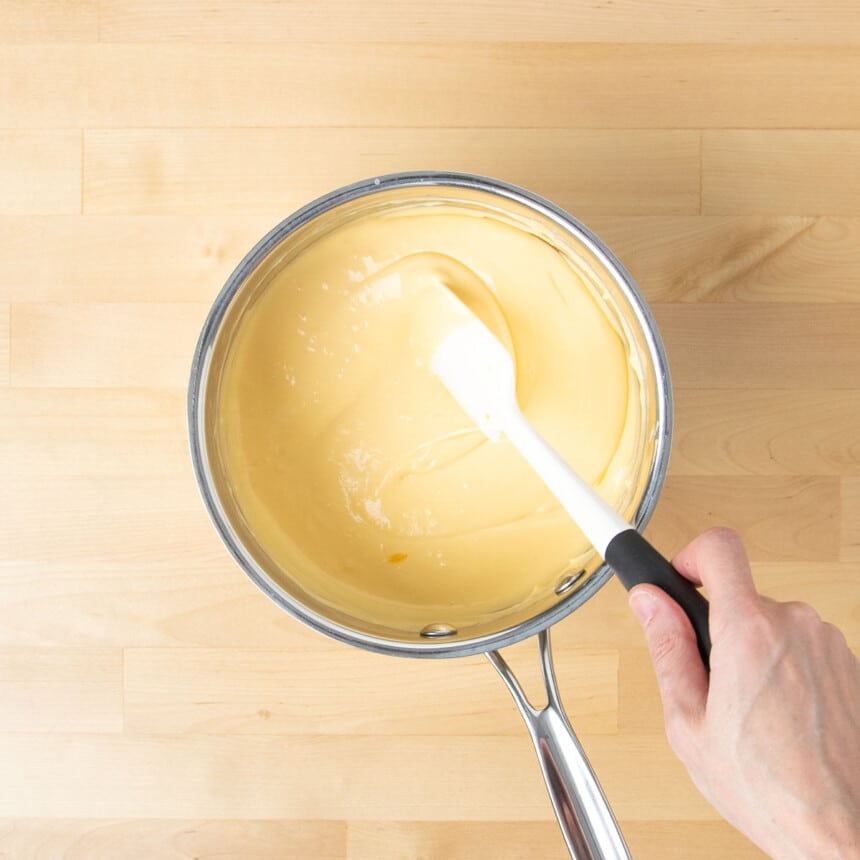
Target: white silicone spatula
479 372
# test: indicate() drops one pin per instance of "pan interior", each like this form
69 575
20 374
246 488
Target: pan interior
357 488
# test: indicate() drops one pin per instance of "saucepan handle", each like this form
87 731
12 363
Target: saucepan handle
583 813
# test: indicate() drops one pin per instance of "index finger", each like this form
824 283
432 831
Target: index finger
718 561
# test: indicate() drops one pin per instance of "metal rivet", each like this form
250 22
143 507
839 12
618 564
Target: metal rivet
437 631
568 581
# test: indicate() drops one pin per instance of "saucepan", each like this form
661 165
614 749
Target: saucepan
585 817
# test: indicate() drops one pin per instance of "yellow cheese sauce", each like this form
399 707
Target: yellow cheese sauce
356 470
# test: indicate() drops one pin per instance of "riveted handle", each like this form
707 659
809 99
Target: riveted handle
584 815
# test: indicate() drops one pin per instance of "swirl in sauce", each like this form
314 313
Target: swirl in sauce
353 466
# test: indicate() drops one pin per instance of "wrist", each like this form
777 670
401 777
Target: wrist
840 836
832 833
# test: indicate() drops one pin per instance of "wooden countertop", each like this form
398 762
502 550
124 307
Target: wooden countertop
152 703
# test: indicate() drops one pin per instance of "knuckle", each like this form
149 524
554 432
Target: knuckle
802 613
833 640
834 633
763 634
759 627
723 535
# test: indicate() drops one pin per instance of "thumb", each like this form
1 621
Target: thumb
681 676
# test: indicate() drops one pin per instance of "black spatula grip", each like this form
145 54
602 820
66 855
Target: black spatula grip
635 561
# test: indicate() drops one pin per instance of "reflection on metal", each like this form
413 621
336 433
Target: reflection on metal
567 581
438 630
586 820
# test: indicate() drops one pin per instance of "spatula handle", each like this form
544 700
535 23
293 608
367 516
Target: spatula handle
625 550
635 561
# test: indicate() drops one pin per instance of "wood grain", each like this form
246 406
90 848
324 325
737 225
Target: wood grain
49 20
153 703
326 778
159 258
95 839
829 587
61 690
639 708
765 346
220 691
406 84
453 840
149 599
832 21
781 518
738 258
784 432
688 840
97 433
112 518
176 839
103 345
781 172
40 172
850 544
4 346
273 171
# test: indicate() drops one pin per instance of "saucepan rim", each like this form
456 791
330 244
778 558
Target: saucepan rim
200 374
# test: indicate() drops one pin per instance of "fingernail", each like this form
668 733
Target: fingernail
643 605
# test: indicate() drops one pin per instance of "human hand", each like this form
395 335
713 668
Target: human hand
772 738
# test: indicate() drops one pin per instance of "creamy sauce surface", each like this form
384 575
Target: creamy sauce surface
357 471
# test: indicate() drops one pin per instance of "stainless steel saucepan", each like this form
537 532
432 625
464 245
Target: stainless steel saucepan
586 820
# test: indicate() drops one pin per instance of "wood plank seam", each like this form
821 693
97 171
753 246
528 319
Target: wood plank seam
83 162
701 169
